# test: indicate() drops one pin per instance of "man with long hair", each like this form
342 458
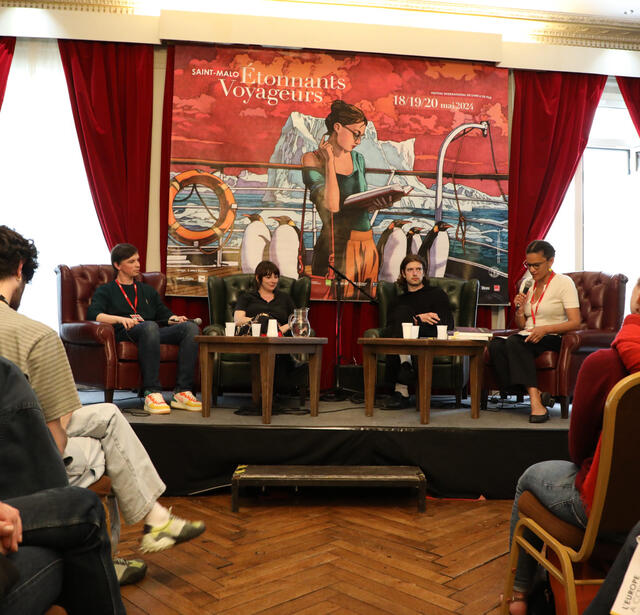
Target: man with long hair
420 304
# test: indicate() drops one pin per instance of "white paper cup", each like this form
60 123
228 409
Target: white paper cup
442 332
415 331
407 328
230 328
272 328
255 329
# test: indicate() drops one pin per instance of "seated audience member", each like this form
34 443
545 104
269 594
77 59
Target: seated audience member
566 487
135 311
548 309
92 439
420 304
54 545
54 548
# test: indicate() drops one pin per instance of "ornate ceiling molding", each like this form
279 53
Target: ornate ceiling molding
92 6
546 27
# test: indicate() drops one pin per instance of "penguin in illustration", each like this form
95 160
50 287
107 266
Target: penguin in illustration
435 249
285 246
413 239
392 248
256 237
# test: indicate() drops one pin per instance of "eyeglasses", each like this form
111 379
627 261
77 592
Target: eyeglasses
357 136
535 266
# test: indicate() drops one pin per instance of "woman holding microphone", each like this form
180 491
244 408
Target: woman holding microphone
546 307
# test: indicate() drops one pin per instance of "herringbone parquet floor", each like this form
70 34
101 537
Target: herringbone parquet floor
321 553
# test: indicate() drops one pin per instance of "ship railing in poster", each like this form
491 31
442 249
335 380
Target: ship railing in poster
311 225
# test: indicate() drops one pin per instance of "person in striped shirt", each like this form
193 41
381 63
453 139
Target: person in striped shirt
95 439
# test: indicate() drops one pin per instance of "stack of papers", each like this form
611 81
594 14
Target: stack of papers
472 333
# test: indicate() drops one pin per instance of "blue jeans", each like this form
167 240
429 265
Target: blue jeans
148 336
553 483
65 555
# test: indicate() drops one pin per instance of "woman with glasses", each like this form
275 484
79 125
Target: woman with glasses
332 173
546 307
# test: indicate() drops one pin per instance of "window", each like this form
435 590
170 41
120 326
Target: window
596 227
45 193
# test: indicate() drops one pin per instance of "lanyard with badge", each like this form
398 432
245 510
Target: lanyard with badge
134 305
544 290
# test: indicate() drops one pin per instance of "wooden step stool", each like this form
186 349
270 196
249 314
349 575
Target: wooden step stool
329 476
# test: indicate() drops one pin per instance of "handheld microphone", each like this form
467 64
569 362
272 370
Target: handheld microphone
527 286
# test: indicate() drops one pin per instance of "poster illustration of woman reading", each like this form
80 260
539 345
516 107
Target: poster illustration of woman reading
332 173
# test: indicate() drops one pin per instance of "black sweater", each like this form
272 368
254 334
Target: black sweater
108 299
407 305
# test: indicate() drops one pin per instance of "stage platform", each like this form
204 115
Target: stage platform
460 456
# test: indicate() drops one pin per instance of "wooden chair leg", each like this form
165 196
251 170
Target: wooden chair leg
458 398
564 406
108 396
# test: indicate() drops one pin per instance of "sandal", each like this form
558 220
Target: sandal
514 600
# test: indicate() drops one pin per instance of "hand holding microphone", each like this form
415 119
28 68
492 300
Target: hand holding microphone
520 299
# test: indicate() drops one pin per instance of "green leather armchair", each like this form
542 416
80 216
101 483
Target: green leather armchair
232 372
449 373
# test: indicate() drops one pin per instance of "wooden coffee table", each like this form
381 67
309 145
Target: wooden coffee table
263 351
425 349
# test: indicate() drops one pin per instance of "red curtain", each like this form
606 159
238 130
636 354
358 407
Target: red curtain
7 45
630 88
111 91
552 118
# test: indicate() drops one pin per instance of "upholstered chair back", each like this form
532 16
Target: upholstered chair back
77 284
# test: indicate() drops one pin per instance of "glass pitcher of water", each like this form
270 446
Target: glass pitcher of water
299 323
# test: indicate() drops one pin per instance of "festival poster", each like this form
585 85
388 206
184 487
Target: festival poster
434 140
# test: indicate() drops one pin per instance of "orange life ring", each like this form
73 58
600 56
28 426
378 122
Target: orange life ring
225 220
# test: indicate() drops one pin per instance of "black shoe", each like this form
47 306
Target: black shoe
406 375
396 402
539 418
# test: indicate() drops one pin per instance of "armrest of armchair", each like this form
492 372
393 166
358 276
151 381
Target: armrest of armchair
213 330
588 340
576 346
88 333
372 333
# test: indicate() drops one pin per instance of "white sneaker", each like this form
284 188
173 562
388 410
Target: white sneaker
186 400
154 403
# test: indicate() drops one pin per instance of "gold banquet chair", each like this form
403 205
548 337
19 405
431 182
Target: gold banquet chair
615 509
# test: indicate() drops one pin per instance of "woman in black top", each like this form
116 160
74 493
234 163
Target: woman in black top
265 302
265 299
